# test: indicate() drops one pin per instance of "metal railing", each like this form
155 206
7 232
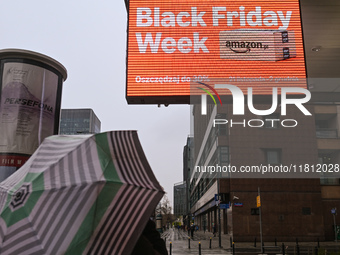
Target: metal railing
326 133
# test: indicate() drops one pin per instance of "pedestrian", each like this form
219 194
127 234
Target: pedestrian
192 229
214 229
150 242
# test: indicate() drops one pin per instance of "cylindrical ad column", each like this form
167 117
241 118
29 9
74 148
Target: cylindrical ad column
30 100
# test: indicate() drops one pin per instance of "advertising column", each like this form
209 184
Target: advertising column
30 99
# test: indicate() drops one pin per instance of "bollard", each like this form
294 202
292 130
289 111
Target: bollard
210 244
283 249
275 242
189 242
170 248
199 248
255 242
231 242
233 248
262 248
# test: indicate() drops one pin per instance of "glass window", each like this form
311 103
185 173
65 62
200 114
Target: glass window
272 120
273 156
306 211
224 155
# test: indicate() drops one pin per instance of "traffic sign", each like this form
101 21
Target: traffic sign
258 201
224 206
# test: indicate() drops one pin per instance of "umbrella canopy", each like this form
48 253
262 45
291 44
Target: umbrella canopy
79 195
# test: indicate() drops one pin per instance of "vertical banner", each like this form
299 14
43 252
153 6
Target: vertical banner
29 106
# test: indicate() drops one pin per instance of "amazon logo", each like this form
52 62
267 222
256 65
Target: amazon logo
245 47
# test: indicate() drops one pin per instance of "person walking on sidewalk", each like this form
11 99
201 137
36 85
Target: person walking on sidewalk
192 229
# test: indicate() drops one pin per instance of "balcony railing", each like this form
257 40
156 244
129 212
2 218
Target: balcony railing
326 133
329 181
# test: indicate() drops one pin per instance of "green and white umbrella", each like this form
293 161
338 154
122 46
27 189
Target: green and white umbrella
79 195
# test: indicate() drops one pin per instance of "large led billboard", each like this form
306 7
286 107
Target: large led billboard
174 43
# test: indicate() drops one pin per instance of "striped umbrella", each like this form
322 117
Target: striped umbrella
79 195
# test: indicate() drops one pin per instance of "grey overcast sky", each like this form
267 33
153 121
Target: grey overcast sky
89 39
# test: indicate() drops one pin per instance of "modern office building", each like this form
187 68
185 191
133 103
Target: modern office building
180 199
292 206
327 123
188 163
296 207
78 121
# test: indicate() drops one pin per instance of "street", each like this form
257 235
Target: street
180 243
179 240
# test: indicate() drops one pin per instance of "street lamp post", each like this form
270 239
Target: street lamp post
260 214
219 214
219 227
333 211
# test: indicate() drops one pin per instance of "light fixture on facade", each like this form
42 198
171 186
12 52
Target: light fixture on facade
316 48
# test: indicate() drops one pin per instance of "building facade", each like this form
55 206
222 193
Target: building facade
78 121
180 199
292 206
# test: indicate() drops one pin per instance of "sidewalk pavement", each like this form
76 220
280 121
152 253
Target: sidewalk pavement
180 238
181 243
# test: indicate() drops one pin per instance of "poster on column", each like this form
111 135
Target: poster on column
27 110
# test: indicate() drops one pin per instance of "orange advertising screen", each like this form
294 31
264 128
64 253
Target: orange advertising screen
174 43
